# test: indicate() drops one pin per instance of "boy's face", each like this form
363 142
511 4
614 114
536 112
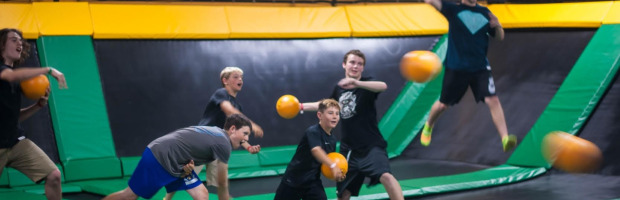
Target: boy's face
234 81
13 48
329 117
354 66
238 136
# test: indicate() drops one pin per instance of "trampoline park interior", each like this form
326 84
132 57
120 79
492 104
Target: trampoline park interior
138 70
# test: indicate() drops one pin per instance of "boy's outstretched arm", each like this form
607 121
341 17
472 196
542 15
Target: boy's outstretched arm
494 23
21 74
309 106
252 149
374 86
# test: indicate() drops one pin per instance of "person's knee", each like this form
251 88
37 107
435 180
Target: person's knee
199 192
387 178
346 195
441 106
53 177
491 100
127 193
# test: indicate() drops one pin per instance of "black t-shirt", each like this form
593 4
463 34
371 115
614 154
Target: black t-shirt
10 103
358 117
304 168
213 115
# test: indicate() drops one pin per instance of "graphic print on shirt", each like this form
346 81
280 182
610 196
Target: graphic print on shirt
473 21
347 105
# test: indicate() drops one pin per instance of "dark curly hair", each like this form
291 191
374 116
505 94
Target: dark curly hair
4 36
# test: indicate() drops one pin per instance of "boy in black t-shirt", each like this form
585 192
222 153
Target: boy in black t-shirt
362 143
302 177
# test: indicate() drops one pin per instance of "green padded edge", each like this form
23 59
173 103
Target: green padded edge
503 174
577 97
40 189
79 113
407 115
280 155
129 164
105 187
500 175
254 172
243 159
22 195
84 169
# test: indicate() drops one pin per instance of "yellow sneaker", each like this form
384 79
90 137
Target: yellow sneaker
425 138
509 142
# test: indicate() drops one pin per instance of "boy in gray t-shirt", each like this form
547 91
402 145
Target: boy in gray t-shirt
169 161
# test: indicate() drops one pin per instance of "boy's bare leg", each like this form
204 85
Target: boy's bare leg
392 187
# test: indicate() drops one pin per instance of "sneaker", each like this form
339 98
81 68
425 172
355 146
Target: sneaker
509 142
425 138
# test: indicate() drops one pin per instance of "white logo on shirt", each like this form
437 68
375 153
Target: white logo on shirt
347 105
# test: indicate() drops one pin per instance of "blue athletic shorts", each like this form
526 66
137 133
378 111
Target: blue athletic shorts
150 176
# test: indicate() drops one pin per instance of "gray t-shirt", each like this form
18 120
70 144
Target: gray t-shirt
202 144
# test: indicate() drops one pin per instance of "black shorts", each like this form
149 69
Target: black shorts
313 191
455 83
372 163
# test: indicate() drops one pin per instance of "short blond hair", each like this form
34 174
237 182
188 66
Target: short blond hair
324 104
227 71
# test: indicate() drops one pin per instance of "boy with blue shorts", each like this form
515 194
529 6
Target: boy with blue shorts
169 161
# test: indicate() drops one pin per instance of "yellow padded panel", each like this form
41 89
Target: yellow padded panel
396 20
158 21
19 16
613 16
583 14
63 18
287 22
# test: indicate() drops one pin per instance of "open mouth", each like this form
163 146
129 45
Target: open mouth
19 49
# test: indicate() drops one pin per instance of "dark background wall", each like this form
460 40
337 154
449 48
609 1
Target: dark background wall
603 129
152 87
